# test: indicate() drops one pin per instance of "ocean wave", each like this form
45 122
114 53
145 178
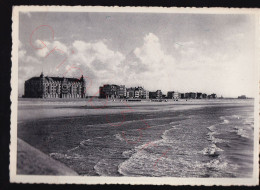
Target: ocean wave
212 150
60 156
128 153
166 134
106 167
217 164
213 139
242 132
142 164
84 142
212 128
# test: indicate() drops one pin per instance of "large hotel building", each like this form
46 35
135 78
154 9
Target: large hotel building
54 87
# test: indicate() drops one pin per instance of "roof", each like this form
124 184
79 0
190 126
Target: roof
54 79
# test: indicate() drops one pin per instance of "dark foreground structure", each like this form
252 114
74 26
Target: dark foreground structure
54 87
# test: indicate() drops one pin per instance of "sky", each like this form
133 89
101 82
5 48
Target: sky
207 53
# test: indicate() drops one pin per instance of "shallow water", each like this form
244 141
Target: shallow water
211 141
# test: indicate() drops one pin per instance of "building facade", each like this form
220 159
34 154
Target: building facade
137 92
173 95
55 87
112 91
155 95
212 96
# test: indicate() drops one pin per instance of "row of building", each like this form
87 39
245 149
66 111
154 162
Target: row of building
61 87
112 91
190 95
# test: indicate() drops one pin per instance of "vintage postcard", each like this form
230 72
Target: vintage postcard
135 95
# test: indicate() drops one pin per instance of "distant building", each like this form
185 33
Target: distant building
173 95
130 92
190 95
137 92
212 96
54 87
199 95
204 96
143 94
112 91
121 90
181 95
242 97
155 95
170 94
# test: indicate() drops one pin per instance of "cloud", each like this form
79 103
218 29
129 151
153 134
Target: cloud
98 63
21 54
151 53
149 65
26 59
47 48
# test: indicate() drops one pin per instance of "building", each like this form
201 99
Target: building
130 92
121 91
212 96
199 95
137 92
204 96
173 95
143 94
181 95
170 94
190 95
54 87
155 95
112 91
242 97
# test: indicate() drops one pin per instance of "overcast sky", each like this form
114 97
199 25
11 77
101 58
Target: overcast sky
180 52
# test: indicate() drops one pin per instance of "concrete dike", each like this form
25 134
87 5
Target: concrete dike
32 161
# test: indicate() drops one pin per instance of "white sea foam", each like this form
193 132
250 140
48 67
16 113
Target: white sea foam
140 163
59 156
213 139
217 164
85 142
241 132
128 153
212 128
119 137
212 150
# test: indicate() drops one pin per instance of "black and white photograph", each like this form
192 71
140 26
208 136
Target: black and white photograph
135 95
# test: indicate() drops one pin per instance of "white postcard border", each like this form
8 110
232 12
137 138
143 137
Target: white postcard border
124 180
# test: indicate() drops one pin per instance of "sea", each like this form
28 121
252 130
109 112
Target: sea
215 140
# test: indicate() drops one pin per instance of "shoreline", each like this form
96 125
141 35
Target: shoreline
41 109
